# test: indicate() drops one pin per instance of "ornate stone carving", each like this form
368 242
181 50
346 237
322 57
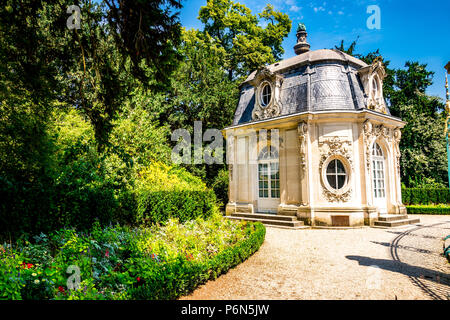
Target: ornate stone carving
397 138
331 148
302 130
372 79
371 133
272 109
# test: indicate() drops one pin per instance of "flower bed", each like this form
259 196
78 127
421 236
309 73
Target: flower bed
429 209
122 263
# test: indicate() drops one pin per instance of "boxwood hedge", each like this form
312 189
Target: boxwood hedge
428 209
412 196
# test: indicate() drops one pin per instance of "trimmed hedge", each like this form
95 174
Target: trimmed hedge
411 196
180 277
160 206
424 209
165 192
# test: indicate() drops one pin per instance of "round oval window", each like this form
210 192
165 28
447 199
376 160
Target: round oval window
266 95
336 174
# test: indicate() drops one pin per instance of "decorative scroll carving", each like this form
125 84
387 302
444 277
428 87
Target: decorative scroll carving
302 130
273 108
331 148
372 79
372 133
397 138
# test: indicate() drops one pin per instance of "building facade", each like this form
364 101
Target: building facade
312 137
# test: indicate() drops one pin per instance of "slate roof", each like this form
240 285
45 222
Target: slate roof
321 80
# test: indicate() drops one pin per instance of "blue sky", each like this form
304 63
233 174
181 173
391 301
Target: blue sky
410 29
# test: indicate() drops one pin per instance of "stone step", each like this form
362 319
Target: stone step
392 217
264 216
279 223
396 223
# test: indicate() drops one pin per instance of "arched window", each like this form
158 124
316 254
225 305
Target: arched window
268 153
268 173
378 171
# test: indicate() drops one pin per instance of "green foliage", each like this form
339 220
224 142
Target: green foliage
423 196
164 192
247 44
422 147
184 272
220 186
124 263
440 209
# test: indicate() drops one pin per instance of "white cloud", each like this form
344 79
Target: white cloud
318 9
294 8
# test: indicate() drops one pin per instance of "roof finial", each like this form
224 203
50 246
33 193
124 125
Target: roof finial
302 46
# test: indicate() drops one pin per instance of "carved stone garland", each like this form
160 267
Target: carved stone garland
397 137
332 147
302 131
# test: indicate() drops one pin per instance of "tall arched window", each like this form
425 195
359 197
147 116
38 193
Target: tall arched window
268 173
378 173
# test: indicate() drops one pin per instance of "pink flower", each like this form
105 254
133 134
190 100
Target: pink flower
107 253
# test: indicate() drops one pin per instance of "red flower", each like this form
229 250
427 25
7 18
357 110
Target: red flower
61 289
138 279
107 253
27 265
189 256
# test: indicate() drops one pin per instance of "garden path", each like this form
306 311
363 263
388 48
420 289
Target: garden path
339 264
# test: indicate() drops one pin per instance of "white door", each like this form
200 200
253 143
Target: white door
268 180
378 176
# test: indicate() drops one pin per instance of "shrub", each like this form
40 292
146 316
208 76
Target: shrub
220 187
171 278
164 192
412 196
428 209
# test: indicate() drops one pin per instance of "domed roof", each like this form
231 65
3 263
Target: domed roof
312 57
321 80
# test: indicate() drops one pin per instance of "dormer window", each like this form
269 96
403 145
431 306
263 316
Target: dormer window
266 94
374 87
372 80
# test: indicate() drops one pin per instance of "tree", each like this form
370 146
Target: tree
423 141
92 68
247 44
422 146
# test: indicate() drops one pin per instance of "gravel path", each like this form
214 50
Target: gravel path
340 264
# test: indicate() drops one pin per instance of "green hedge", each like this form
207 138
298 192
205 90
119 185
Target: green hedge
180 277
428 209
160 206
411 196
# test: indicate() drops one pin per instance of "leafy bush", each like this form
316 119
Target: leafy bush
428 209
165 192
123 185
126 263
220 187
412 196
